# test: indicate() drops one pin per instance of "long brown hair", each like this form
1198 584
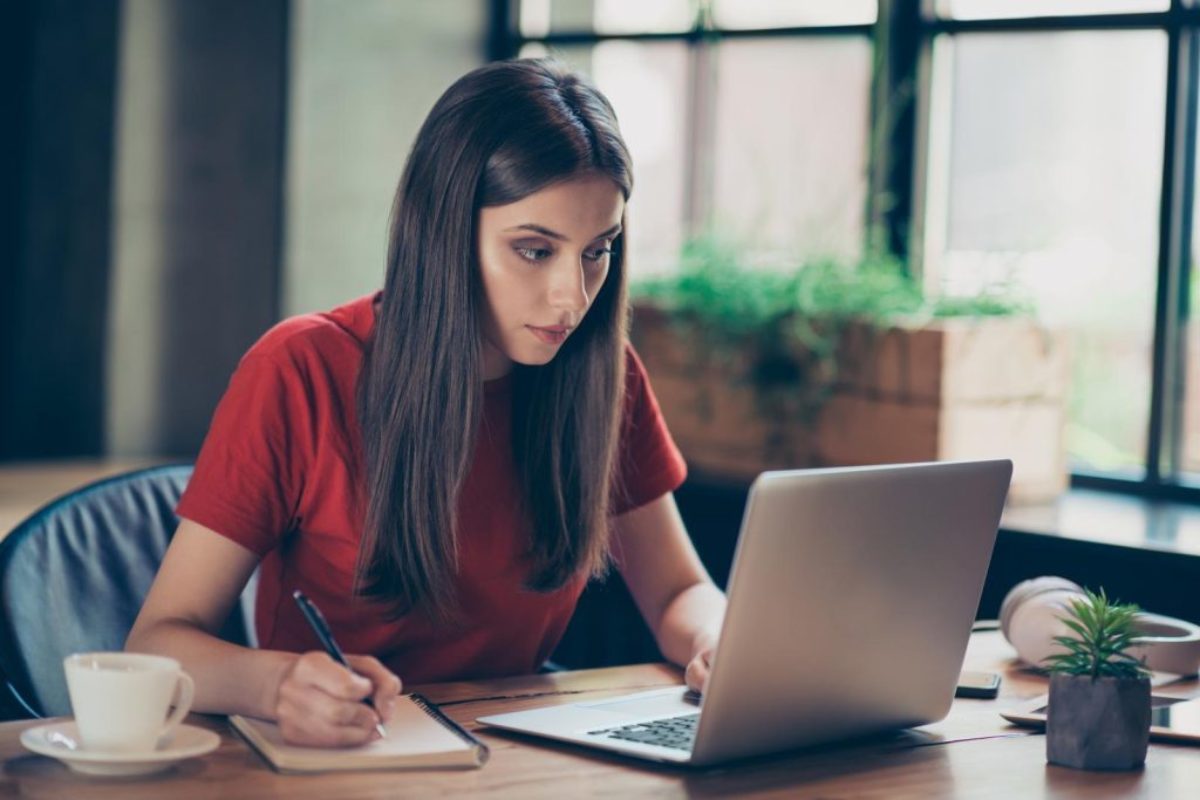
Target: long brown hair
497 135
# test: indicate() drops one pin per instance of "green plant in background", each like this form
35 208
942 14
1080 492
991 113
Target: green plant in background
728 301
714 283
1104 631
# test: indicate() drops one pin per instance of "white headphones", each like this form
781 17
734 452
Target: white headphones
1030 618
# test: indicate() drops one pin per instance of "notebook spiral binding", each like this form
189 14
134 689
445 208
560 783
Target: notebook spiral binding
430 708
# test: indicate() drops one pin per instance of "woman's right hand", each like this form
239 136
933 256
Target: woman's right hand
319 702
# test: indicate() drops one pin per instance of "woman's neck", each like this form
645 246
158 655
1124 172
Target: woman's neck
495 363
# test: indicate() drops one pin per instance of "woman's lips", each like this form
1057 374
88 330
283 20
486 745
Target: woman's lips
554 335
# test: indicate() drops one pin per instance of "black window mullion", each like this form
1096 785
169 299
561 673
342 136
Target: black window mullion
1175 396
892 134
503 36
1175 226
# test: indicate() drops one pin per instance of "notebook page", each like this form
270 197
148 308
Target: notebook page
410 732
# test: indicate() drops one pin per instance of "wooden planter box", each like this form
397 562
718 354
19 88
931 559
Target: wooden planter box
956 388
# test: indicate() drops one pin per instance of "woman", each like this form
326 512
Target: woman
443 466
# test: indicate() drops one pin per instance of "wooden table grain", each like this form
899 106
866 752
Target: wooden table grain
973 753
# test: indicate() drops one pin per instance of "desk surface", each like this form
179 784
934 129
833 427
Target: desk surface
972 753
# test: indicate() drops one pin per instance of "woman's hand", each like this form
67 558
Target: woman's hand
319 702
696 675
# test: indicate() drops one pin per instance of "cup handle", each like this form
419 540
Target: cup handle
185 690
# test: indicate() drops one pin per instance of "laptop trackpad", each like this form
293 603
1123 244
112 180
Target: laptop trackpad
647 704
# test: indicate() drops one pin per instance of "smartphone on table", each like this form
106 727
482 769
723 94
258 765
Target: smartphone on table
985 685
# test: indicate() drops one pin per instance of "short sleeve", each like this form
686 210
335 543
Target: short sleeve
249 473
650 464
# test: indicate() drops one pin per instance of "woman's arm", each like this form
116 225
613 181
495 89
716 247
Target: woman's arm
675 594
197 584
314 699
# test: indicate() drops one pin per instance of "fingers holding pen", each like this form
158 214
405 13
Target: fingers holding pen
369 681
320 703
386 684
320 671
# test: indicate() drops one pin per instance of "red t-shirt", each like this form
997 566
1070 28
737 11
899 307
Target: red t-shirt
278 474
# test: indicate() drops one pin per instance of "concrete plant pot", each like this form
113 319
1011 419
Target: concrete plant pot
1098 724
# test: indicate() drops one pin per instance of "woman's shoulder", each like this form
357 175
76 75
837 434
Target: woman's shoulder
639 395
336 334
635 370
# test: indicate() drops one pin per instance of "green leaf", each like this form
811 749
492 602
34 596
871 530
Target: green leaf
1075 626
732 294
1073 645
1101 633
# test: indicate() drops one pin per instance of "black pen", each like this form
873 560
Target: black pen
321 629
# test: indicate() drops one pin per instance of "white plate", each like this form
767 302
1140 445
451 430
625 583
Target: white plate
55 740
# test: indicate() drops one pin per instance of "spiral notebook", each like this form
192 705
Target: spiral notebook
419 736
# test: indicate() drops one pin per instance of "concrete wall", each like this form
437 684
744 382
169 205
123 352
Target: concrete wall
258 145
363 76
198 211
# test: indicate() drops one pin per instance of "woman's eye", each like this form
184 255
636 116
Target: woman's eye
596 255
533 253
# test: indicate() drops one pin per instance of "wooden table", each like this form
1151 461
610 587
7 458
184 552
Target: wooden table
972 753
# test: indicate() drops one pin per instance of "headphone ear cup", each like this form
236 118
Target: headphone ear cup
1037 622
1168 644
1031 616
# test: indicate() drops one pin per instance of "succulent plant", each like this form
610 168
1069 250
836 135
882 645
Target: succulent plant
1103 632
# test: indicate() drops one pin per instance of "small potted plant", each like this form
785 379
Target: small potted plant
1099 714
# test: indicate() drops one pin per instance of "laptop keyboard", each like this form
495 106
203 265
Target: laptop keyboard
675 732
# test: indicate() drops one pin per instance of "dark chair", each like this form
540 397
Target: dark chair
73 577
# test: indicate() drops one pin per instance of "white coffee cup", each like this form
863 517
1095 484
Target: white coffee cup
120 700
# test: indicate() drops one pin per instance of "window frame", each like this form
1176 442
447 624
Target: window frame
1163 478
904 35
505 40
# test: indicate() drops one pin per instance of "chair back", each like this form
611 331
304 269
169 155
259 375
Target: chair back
73 577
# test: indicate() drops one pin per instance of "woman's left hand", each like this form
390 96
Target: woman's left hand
696 675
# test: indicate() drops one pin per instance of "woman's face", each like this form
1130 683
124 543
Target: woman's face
543 260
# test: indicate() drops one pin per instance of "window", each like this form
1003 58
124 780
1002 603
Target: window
715 102
751 14
787 175
1051 144
1054 151
647 84
1052 179
541 18
1010 9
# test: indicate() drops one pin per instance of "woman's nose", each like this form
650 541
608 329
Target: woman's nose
568 288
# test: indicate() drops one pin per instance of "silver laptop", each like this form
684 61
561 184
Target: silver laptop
850 605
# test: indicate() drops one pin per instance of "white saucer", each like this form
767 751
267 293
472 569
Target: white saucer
187 741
